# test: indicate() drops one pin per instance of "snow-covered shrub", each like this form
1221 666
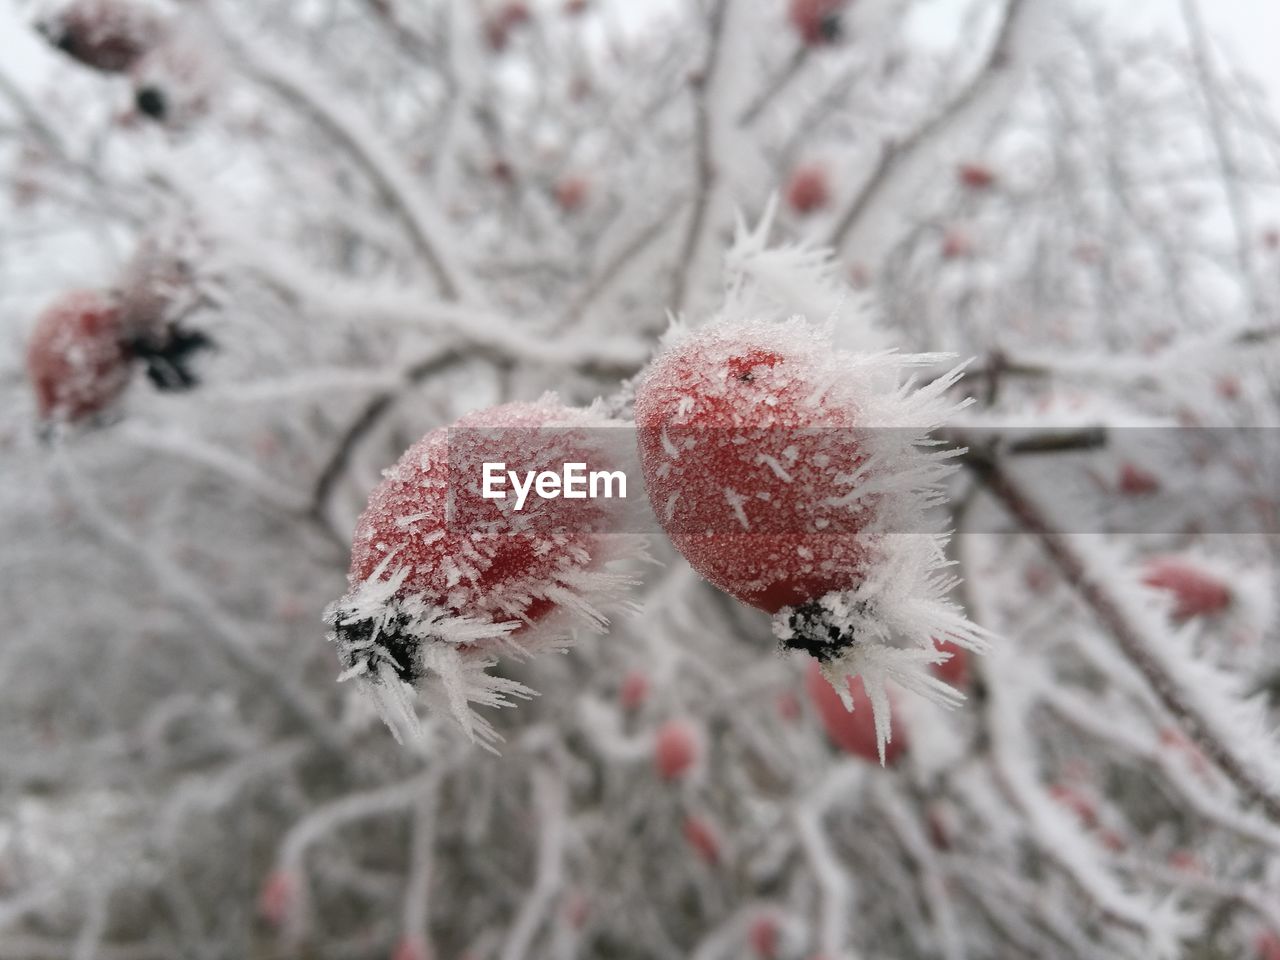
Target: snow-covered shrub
980 341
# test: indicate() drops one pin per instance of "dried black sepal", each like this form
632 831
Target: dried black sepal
813 632
830 28
168 357
151 102
402 648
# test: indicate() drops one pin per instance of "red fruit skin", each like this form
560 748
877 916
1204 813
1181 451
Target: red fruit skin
764 937
719 418
704 839
814 20
975 176
457 565
807 190
1137 482
675 750
956 670
111 36
853 731
76 359
1196 593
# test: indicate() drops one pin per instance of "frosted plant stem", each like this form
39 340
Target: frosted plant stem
704 160
1113 616
203 611
550 803
426 227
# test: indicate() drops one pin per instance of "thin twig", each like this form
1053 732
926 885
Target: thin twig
705 167
894 154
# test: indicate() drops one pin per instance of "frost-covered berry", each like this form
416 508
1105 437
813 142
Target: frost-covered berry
808 190
108 35
798 477
1195 592
444 580
77 360
816 21
1267 946
676 749
852 730
743 452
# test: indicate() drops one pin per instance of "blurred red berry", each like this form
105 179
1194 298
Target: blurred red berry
1267 946
277 898
816 21
107 35
76 358
499 27
807 190
675 750
975 176
634 690
956 244
1137 482
411 948
763 936
853 731
571 194
1196 592
704 839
